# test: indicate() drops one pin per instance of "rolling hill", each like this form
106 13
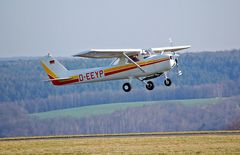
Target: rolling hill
94 110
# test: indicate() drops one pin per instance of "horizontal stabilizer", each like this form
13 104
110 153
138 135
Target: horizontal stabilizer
57 79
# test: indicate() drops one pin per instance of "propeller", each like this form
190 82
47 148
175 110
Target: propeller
175 57
179 72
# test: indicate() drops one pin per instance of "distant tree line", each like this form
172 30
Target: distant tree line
63 101
154 118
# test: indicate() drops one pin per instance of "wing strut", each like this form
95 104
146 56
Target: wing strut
134 62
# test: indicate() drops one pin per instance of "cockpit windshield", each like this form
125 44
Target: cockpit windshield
145 54
137 57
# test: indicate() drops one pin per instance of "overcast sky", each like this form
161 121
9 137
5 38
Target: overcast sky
33 28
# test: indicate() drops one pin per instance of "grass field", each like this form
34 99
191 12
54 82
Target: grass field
189 144
110 108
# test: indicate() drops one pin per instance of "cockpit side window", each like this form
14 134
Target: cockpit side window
123 60
119 61
134 58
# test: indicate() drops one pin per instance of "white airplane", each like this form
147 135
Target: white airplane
139 64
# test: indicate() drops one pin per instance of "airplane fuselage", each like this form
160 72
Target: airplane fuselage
152 65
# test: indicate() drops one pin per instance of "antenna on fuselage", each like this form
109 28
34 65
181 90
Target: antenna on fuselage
170 41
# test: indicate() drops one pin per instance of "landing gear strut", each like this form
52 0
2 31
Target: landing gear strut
150 85
127 87
167 82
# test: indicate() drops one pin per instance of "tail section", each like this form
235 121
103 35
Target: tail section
54 69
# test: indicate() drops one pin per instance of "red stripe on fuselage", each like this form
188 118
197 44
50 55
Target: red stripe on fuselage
63 82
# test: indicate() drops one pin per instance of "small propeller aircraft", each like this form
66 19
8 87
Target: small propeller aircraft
139 64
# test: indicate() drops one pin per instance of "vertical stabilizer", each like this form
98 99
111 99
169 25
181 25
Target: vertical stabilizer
53 67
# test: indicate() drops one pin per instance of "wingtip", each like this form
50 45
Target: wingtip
186 46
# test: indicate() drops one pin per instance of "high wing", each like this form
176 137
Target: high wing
169 49
108 53
111 53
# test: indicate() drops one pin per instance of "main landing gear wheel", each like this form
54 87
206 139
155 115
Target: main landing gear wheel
150 85
126 87
167 82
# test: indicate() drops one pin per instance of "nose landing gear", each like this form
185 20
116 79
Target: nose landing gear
167 82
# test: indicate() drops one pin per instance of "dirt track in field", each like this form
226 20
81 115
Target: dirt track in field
155 134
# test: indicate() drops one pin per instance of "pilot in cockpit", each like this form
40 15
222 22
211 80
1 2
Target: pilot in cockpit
134 58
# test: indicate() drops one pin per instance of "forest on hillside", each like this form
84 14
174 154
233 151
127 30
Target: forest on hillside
205 74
